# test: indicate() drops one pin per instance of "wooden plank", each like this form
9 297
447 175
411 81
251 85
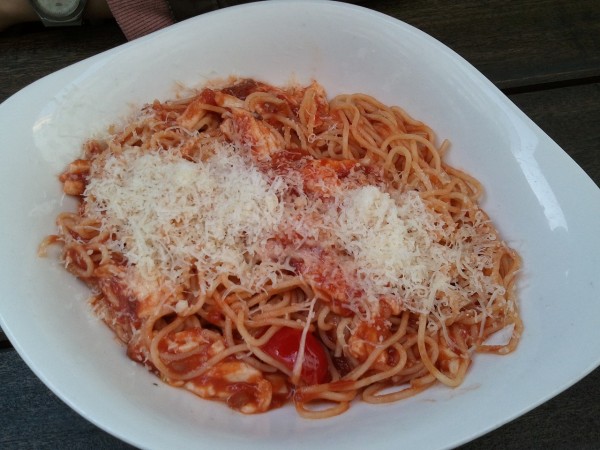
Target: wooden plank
33 417
29 52
517 43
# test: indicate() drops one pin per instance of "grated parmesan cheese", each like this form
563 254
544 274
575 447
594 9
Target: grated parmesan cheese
170 212
402 251
223 215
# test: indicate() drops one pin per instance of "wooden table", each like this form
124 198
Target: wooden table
545 55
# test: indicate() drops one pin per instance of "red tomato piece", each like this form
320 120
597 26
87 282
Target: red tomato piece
284 346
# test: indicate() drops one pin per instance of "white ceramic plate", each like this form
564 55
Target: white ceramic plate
542 202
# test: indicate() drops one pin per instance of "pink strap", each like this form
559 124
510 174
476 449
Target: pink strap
140 17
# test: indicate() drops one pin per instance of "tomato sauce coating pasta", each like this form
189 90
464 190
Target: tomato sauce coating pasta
259 245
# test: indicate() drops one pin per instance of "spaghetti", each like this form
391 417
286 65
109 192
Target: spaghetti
259 245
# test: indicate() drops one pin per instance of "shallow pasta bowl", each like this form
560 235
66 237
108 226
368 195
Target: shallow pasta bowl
532 192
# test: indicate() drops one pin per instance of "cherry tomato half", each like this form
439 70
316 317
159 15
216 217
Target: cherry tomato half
284 346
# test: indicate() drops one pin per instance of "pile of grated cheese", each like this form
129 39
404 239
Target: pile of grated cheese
169 213
402 251
220 215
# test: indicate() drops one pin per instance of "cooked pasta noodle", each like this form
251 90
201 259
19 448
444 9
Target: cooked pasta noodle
259 245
